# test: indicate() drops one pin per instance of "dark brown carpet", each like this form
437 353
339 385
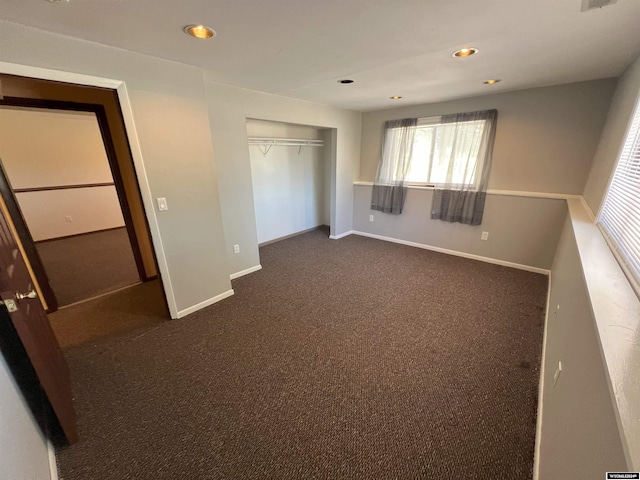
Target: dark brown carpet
348 359
88 265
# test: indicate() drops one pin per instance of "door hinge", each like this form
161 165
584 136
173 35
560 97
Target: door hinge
10 304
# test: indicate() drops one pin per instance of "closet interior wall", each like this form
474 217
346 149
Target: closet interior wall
291 184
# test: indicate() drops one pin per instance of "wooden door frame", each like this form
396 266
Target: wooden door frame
130 129
14 209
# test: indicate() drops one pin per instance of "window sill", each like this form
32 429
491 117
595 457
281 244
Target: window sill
616 311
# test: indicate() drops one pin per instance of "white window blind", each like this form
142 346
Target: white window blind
620 213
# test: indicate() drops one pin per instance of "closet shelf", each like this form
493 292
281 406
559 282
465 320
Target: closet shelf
266 143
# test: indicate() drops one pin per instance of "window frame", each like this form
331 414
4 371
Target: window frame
437 121
625 264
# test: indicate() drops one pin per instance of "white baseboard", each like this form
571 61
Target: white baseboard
53 464
206 303
536 452
342 235
495 261
244 272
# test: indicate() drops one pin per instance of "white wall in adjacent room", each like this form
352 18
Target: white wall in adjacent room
51 148
288 182
90 209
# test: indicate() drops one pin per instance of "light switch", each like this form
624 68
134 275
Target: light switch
162 204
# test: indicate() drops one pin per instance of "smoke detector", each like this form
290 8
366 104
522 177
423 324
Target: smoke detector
592 4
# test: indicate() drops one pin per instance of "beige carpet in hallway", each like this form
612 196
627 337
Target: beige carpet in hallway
88 265
130 309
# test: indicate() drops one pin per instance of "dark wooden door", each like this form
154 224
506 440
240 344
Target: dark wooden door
23 235
30 321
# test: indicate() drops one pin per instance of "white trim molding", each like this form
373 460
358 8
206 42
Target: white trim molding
536 452
57 75
587 208
519 193
456 253
136 153
616 311
244 272
147 197
507 193
206 303
53 463
342 235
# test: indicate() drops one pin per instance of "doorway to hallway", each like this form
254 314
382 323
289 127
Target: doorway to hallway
56 164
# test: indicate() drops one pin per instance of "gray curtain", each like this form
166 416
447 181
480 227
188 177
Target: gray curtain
389 188
461 191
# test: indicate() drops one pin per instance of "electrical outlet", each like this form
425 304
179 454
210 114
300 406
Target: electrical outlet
484 236
371 218
556 375
68 219
162 204
236 248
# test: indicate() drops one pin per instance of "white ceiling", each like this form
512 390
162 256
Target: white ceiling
300 48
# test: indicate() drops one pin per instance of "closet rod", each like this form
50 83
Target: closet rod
268 143
286 141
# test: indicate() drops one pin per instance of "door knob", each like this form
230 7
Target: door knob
22 296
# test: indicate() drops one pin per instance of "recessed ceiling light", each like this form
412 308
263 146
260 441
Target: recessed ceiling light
199 31
58 1
395 97
492 81
465 52
345 81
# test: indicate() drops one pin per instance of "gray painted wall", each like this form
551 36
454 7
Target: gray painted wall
172 124
521 230
606 156
171 115
580 436
545 140
229 108
24 448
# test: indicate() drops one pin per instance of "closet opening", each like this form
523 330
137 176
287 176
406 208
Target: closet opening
292 171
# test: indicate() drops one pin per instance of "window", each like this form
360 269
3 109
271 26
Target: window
434 160
452 152
620 214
